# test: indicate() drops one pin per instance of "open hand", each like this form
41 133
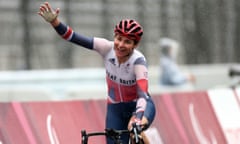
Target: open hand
47 12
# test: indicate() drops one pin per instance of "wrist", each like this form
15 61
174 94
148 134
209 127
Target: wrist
55 22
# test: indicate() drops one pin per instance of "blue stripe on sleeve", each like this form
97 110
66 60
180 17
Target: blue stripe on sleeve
140 61
61 29
86 42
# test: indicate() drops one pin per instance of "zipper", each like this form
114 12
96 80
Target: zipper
119 86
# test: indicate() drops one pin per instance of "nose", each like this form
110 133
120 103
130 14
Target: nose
121 44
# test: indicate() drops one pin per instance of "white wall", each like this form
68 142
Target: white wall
90 83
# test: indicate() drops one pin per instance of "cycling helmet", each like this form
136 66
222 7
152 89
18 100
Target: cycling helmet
129 28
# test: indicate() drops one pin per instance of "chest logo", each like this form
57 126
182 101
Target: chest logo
127 68
112 61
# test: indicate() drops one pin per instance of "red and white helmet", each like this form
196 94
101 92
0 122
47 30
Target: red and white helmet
130 29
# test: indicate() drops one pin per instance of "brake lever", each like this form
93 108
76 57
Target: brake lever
136 131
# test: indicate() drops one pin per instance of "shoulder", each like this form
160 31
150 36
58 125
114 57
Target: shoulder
137 54
139 58
102 45
102 42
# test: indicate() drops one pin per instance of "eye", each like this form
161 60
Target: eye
119 38
128 41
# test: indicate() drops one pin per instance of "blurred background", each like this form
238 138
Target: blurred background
208 32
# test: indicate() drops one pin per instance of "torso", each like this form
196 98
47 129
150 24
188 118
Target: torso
120 78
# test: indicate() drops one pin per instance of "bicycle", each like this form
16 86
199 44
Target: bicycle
115 135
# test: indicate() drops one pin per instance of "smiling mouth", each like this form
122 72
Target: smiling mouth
120 50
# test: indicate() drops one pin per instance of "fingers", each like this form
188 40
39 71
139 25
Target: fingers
45 7
144 122
57 10
42 9
48 6
130 122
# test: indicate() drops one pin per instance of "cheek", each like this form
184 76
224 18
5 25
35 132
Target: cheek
130 48
116 42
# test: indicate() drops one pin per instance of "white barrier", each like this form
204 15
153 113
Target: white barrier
90 83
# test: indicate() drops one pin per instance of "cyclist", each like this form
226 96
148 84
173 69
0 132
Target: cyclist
126 70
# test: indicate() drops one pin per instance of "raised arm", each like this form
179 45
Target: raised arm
66 32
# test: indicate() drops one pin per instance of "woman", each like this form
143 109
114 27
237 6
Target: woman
126 70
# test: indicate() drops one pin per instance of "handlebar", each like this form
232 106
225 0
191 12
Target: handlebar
115 134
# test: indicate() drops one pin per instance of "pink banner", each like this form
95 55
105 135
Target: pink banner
184 118
187 118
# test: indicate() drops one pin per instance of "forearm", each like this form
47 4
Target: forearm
141 103
140 108
68 34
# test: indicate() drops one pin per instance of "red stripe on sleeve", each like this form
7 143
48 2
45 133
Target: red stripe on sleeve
68 33
143 84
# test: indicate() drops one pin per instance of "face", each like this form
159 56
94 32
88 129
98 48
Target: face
123 46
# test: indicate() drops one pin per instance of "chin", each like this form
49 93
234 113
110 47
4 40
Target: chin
121 55
118 54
